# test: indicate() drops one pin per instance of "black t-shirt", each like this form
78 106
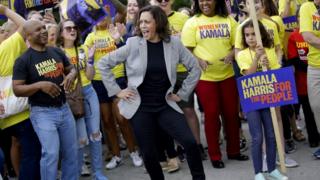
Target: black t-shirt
156 82
34 66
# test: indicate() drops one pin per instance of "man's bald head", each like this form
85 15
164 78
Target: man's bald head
30 26
10 27
35 31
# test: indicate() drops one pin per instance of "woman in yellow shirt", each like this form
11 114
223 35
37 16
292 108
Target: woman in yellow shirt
310 30
88 127
289 7
210 36
105 39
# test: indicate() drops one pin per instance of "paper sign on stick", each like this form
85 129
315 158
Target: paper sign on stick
267 89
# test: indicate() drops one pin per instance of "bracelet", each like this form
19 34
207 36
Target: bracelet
90 61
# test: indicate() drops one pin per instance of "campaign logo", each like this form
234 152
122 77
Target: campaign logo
316 22
49 68
214 31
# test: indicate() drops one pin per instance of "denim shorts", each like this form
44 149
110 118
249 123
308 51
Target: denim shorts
102 91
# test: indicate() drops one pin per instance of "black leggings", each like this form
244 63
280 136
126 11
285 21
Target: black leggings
287 112
165 146
145 124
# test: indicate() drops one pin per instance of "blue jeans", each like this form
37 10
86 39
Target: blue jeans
29 167
56 130
89 128
261 120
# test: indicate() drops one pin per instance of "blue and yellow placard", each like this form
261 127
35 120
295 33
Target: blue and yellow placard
290 22
85 13
267 89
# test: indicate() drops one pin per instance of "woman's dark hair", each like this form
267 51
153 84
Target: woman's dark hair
270 8
60 41
220 8
265 37
162 23
298 11
142 3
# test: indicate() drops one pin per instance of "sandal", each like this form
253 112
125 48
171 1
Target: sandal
298 136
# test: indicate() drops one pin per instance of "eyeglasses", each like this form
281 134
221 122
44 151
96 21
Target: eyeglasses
70 28
160 1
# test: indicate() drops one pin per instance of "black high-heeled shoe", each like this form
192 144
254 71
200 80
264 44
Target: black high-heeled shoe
217 164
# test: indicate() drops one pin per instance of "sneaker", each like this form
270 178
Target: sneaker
317 154
164 165
298 136
85 170
290 146
276 175
289 163
243 145
136 159
114 162
173 165
259 176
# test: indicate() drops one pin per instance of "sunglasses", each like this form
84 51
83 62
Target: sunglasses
160 1
70 28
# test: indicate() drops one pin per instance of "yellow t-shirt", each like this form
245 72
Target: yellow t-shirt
293 6
10 50
104 44
310 22
176 21
270 26
83 58
245 58
282 29
212 39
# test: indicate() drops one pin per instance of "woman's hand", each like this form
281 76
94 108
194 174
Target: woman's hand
126 94
91 52
117 31
69 80
113 30
203 64
121 28
259 51
264 60
229 58
174 97
49 18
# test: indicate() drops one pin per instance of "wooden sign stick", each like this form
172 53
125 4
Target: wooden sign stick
280 149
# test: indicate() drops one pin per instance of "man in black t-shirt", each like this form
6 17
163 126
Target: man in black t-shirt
44 74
